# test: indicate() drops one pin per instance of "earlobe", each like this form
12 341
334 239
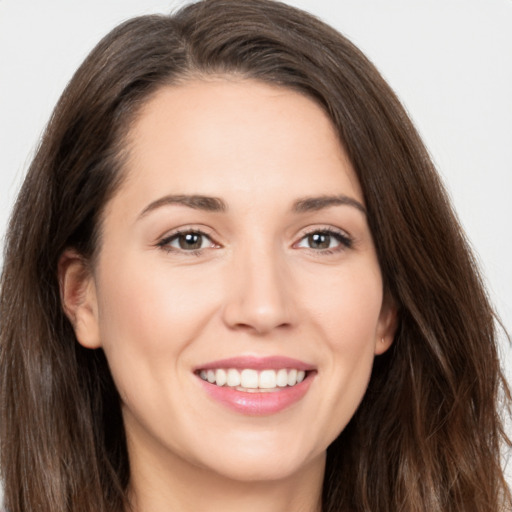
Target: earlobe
386 329
78 298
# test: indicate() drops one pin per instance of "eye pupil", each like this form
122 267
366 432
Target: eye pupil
190 241
319 241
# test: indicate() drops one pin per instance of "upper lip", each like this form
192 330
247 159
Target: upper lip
257 363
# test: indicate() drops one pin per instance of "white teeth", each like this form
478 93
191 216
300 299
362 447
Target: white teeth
267 379
282 378
233 378
221 377
250 379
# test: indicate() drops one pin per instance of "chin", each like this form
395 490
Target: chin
262 463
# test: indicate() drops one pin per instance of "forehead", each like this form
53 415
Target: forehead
225 137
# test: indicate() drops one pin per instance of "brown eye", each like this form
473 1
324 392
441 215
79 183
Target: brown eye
319 241
325 240
190 241
187 241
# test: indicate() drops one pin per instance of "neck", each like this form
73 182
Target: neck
180 486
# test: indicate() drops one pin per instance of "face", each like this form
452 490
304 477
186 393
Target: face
237 293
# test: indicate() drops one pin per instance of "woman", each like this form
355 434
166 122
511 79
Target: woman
233 279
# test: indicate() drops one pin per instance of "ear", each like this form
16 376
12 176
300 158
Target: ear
78 298
387 325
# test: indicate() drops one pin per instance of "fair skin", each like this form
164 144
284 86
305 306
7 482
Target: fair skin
239 233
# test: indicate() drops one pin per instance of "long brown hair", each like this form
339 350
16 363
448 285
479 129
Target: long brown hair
428 433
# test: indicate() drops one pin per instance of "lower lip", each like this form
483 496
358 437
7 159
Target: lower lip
259 404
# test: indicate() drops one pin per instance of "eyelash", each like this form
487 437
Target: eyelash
165 242
345 242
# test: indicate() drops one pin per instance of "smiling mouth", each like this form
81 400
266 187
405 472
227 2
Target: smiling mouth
253 381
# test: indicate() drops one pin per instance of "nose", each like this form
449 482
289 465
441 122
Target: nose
259 296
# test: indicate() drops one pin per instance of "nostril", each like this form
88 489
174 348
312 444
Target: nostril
258 320
258 297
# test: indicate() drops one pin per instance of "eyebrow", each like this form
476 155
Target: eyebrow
197 202
215 204
313 204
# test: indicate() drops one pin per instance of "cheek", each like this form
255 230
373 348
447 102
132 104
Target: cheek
150 306
149 316
352 330
346 306
347 318
350 333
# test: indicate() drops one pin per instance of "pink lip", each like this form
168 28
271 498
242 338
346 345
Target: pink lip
258 404
257 363
255 403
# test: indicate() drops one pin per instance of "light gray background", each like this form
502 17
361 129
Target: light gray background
450 61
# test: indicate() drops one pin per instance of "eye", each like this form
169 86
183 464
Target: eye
324 240
189 241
